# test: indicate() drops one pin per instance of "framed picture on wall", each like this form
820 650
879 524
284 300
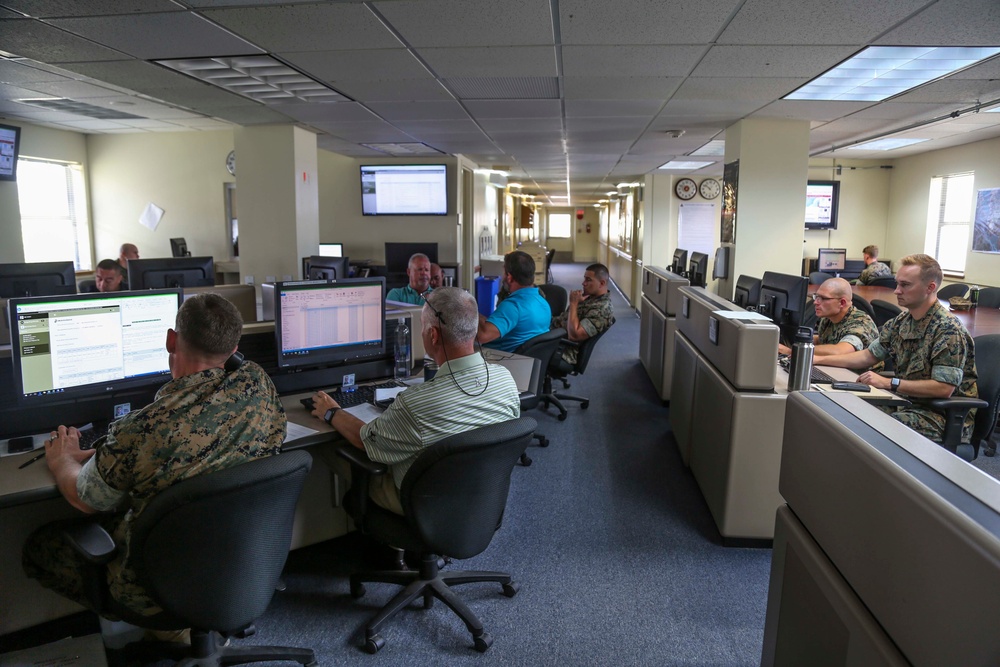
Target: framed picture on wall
986 231
730 180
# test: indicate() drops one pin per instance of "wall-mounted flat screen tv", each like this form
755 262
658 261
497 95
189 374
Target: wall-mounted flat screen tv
404 189
822 198
10 140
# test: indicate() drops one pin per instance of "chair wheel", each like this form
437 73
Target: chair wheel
584 405
562 416
544 442
374 643
511 589
483 642
525 459
357 591
989 452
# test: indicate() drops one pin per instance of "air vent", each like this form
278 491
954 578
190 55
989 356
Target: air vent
78 108
404 149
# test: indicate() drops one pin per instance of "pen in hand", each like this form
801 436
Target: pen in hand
34 458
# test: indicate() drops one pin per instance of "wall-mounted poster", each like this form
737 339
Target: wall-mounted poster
986 231
730 179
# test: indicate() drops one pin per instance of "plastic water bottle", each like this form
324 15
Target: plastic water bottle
800 367
402 349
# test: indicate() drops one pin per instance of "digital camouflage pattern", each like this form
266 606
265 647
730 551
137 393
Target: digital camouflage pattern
935 347
857 328
873 271
197 424
595 313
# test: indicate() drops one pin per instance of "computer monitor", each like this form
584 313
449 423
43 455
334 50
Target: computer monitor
698 269
832 260
320 323
327 268
783 300
86 345
397 255
179 248
680 264
331 249
161 272
747 293
37 279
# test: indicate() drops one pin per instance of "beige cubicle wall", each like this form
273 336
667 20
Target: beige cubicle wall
244 297
658 324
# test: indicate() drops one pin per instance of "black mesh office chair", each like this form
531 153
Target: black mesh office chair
861 303
558 369
988 368
884 311
453 498
884 281
86 286
209 551
819 277
556 295
549 256
542 347
989 297
955 289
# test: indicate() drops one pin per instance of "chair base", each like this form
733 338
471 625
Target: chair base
428 583
207 649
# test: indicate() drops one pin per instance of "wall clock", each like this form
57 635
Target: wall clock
231 163
710 188
685 188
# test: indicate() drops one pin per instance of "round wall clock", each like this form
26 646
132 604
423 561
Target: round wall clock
710 188
231 162
685 188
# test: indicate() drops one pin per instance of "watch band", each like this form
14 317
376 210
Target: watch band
894 384
328 417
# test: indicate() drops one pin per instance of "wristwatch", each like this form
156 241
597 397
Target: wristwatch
328 417
894 384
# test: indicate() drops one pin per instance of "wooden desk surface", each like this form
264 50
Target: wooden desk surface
977 321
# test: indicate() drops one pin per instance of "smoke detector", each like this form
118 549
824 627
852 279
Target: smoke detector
675 134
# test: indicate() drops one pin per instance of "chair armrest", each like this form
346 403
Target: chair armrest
358 459
955 410
92 542
362 470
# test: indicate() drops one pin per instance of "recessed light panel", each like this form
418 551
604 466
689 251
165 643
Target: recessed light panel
887 144
688 165
880 72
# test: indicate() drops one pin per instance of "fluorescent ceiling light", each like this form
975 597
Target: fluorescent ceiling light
715 147
688 165
880 72
887 144
558 196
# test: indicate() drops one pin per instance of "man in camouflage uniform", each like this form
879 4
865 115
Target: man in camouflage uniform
205 419
588 314
842 327
873 268
933 353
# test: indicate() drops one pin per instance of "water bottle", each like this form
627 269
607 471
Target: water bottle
974 295
800 366
402 349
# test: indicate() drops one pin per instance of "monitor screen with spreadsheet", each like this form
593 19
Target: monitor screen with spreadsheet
82 345
329 322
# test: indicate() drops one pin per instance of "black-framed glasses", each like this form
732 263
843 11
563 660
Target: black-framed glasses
434 310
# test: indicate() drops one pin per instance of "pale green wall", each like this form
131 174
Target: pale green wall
909 192
181 172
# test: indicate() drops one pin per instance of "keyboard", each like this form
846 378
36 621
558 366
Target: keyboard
90 434
361 394
816 376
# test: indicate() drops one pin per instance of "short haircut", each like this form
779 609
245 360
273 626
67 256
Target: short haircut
416 256
600 271
521 267
459 311
840 288
209 324
109 264
128 247
930 270
871 251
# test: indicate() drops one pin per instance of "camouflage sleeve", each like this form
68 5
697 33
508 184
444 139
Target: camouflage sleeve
94 491
859 330
559 321
115 460
948 351
596 320
880 346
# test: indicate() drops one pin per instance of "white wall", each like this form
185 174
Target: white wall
181 172
909 190
37 142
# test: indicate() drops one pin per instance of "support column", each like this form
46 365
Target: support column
278 193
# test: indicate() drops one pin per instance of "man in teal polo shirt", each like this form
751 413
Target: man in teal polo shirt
419 273
521 316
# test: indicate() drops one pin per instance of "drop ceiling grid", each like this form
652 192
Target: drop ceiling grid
368 65
508 23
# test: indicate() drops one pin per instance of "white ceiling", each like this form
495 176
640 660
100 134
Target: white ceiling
539 86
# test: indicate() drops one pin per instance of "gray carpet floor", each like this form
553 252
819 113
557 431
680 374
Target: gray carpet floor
618 559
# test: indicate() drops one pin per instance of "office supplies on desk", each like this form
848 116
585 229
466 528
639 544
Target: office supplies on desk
36 457
816 376
362 394
851 386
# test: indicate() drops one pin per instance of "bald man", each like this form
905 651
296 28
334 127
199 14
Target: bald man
842 327
125 253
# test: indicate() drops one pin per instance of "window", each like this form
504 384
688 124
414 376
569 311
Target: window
949 220
560 225
53 201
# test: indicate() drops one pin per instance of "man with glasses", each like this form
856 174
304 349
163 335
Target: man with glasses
842 327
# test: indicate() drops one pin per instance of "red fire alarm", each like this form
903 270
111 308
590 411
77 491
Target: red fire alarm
579 214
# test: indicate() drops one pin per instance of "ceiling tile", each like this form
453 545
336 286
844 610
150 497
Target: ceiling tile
506 61
771 61
605 108
367 65
950 22
514 109
442 110
76 90
731 89
521 124
394 91
36 40
817 111
619 88
328 112
19 73
53 8
250 115
956 91
642 21
626 61
508 23
439 128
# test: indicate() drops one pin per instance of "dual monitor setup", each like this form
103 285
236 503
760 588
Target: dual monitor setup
695 271
780 297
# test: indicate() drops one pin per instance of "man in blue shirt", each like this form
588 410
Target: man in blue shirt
419 272
521 316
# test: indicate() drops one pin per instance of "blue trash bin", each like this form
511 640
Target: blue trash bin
487 289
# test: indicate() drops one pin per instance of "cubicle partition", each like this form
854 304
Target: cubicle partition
660 303
725 414
888 550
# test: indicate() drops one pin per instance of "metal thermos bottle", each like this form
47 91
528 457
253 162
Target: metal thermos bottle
800 366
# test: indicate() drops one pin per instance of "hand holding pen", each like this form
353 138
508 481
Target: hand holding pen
62 442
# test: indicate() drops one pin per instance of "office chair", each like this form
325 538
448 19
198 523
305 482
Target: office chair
884 281
556 295
453 499
988 367
542 347
549 256
884 311
559 369
989 297
86 286
861 303
819 277
955 289
210 551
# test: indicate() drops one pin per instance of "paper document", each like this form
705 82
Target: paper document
366 412
740 315
296 431
385 394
